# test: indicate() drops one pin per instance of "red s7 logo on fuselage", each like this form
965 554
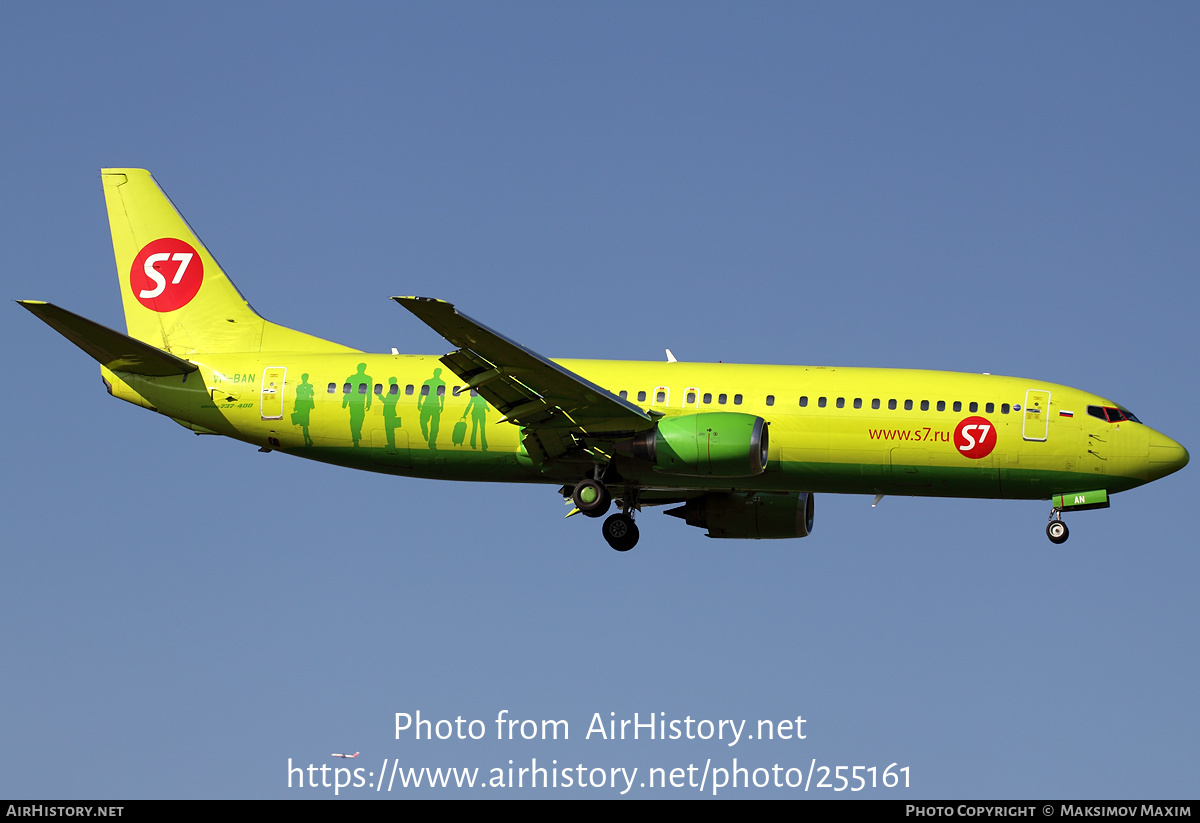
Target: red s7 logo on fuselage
975 437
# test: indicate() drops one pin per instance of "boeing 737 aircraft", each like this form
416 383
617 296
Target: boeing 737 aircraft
738 450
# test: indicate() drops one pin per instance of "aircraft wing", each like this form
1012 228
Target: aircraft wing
558 406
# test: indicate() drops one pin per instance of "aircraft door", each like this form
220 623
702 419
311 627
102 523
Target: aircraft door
272 392
1036 422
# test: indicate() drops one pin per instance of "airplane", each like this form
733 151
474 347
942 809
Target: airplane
348 756
738 450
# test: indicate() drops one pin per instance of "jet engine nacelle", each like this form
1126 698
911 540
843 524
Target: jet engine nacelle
756 516
715 444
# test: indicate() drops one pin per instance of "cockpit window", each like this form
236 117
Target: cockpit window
1111 415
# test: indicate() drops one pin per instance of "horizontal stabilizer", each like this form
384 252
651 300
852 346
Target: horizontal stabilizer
115 351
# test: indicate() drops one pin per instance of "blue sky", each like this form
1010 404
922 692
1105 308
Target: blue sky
979 187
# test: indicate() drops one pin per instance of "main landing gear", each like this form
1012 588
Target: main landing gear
621 532
1056 529
593 499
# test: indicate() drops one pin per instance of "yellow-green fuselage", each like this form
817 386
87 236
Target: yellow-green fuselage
845 430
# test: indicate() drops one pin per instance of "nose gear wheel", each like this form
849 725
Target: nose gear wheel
1056 529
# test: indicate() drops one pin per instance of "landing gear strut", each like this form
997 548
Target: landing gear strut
1056 529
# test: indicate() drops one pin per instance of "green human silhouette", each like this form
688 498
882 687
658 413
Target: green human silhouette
477 407
357 397
430 405
304 404
388 404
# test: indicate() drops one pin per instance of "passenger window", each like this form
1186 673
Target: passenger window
958 405
408 389
395 389
941 405
737 400
892 405
379 388
1004 408
858 402
624 395
770 400
641 397
660 397
924 405
346 388
362 388
441 391
990 407
475 392
707 397
456 390
691 397
821 402
425 390
721 398
875 403
974 407
908 405
803 402
841 403
333 388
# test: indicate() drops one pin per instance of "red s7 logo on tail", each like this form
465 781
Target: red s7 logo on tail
166 274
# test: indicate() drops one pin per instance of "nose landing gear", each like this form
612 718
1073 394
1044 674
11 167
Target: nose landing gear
1056 529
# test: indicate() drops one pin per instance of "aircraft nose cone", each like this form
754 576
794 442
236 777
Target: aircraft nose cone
1166 456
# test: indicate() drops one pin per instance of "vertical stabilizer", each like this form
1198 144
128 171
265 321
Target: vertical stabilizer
175 294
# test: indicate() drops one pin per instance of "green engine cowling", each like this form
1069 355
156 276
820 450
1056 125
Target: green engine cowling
715 444
755 516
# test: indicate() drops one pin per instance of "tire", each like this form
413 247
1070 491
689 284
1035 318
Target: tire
592 498
621 532
1057 531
